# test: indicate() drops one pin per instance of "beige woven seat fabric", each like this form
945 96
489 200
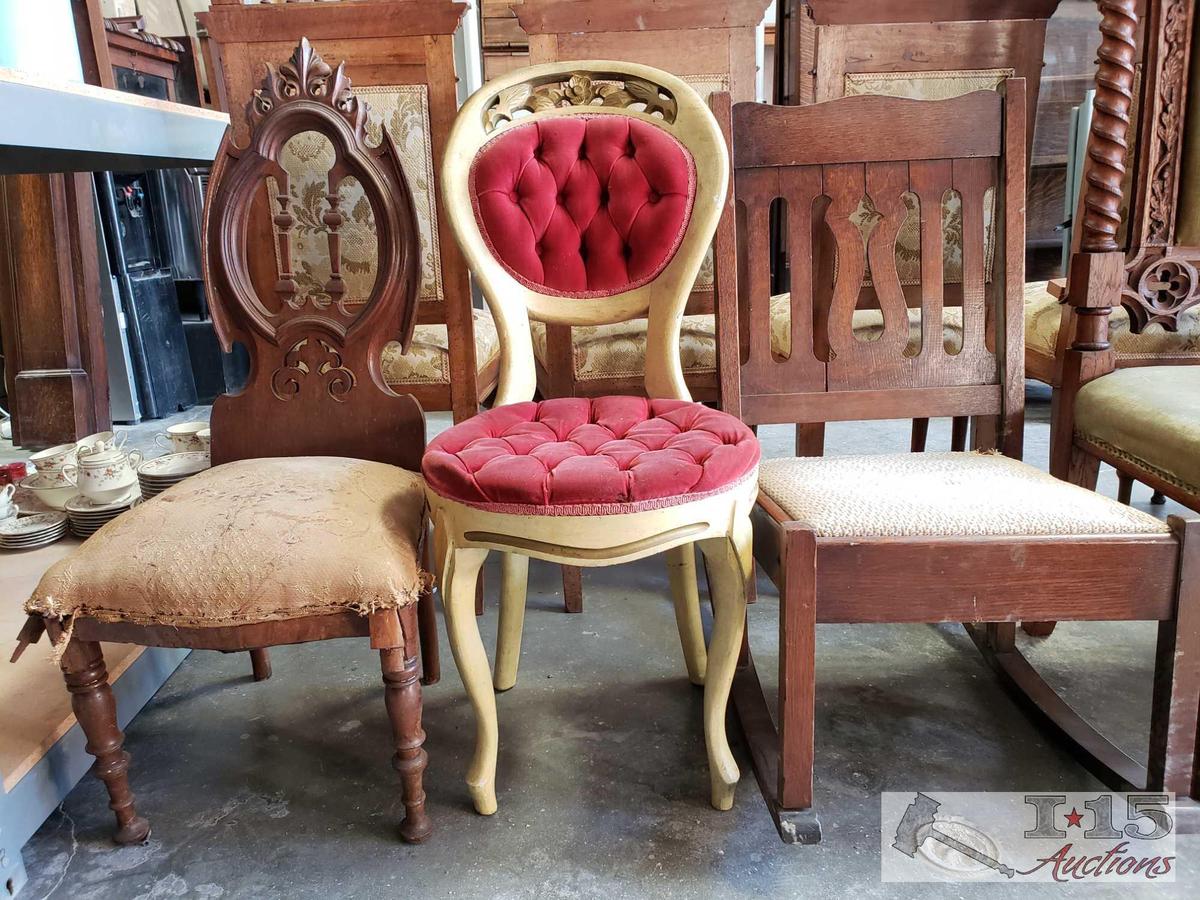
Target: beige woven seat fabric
1043 314
1149 415
251 541
940 494
428 358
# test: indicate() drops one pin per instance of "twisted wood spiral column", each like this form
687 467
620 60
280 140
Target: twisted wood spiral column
94 707
1110 126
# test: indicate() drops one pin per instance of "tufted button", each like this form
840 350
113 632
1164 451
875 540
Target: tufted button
562 198
629 148
539 248
627 251
582 152
514 196
653 197
604 196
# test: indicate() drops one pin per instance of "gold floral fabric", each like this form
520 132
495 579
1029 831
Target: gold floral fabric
928 86
1149 415
428 357
404 110
613 351
1043 316
258 540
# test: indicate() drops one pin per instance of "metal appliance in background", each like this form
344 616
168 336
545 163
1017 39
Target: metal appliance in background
153 326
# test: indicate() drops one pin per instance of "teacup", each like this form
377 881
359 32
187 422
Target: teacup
51 463
101 441
107 476
182 437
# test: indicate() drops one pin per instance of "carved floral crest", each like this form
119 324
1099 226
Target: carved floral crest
306 76
580 90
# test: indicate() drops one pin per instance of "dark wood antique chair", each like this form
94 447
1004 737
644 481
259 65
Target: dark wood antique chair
1139 413
310 523
976 537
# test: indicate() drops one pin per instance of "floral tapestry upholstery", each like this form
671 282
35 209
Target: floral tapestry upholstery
307 157
1148 415
258 540
928 86
428 357
1043 316
577 456
619 351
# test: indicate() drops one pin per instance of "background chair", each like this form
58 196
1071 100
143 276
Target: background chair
309 524
932 537
586 193
407 75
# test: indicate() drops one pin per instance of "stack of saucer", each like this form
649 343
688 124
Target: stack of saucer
30 532
156 475
85 516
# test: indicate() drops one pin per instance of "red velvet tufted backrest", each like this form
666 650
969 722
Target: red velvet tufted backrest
583 205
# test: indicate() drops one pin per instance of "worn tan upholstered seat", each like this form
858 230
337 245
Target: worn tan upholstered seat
1149 415
251 541
930 494
1043 315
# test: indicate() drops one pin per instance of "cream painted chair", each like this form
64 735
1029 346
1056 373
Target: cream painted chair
587 193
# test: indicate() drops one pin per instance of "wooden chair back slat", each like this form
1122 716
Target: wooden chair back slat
316 384
815 161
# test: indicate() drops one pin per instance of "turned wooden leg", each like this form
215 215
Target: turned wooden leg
1124 488
959 427
260 663
402 694
572 579
681 572
1158 498
458 591
514 587
1175 712
920 432
729 567
94 707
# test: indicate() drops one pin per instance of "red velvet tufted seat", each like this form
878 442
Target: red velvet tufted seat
583 205
598 456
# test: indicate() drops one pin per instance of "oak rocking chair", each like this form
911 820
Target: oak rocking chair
310 522
974 537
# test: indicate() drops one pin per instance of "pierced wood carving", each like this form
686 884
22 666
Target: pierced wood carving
580 90
316 381
1168 119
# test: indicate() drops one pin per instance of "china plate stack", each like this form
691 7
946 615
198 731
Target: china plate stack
85 517
31 532
156 475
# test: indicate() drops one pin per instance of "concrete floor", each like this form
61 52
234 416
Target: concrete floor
283 789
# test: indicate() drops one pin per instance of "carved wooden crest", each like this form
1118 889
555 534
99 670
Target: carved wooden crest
580 90
321 360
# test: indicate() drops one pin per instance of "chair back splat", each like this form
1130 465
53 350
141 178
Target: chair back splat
898 159
586 193
316 385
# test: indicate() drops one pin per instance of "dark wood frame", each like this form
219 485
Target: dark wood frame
393 42
945 579
339 405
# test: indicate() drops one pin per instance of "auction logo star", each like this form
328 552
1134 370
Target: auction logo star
1074 818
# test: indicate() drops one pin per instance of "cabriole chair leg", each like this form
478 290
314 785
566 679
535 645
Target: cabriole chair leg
514 585
458 597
